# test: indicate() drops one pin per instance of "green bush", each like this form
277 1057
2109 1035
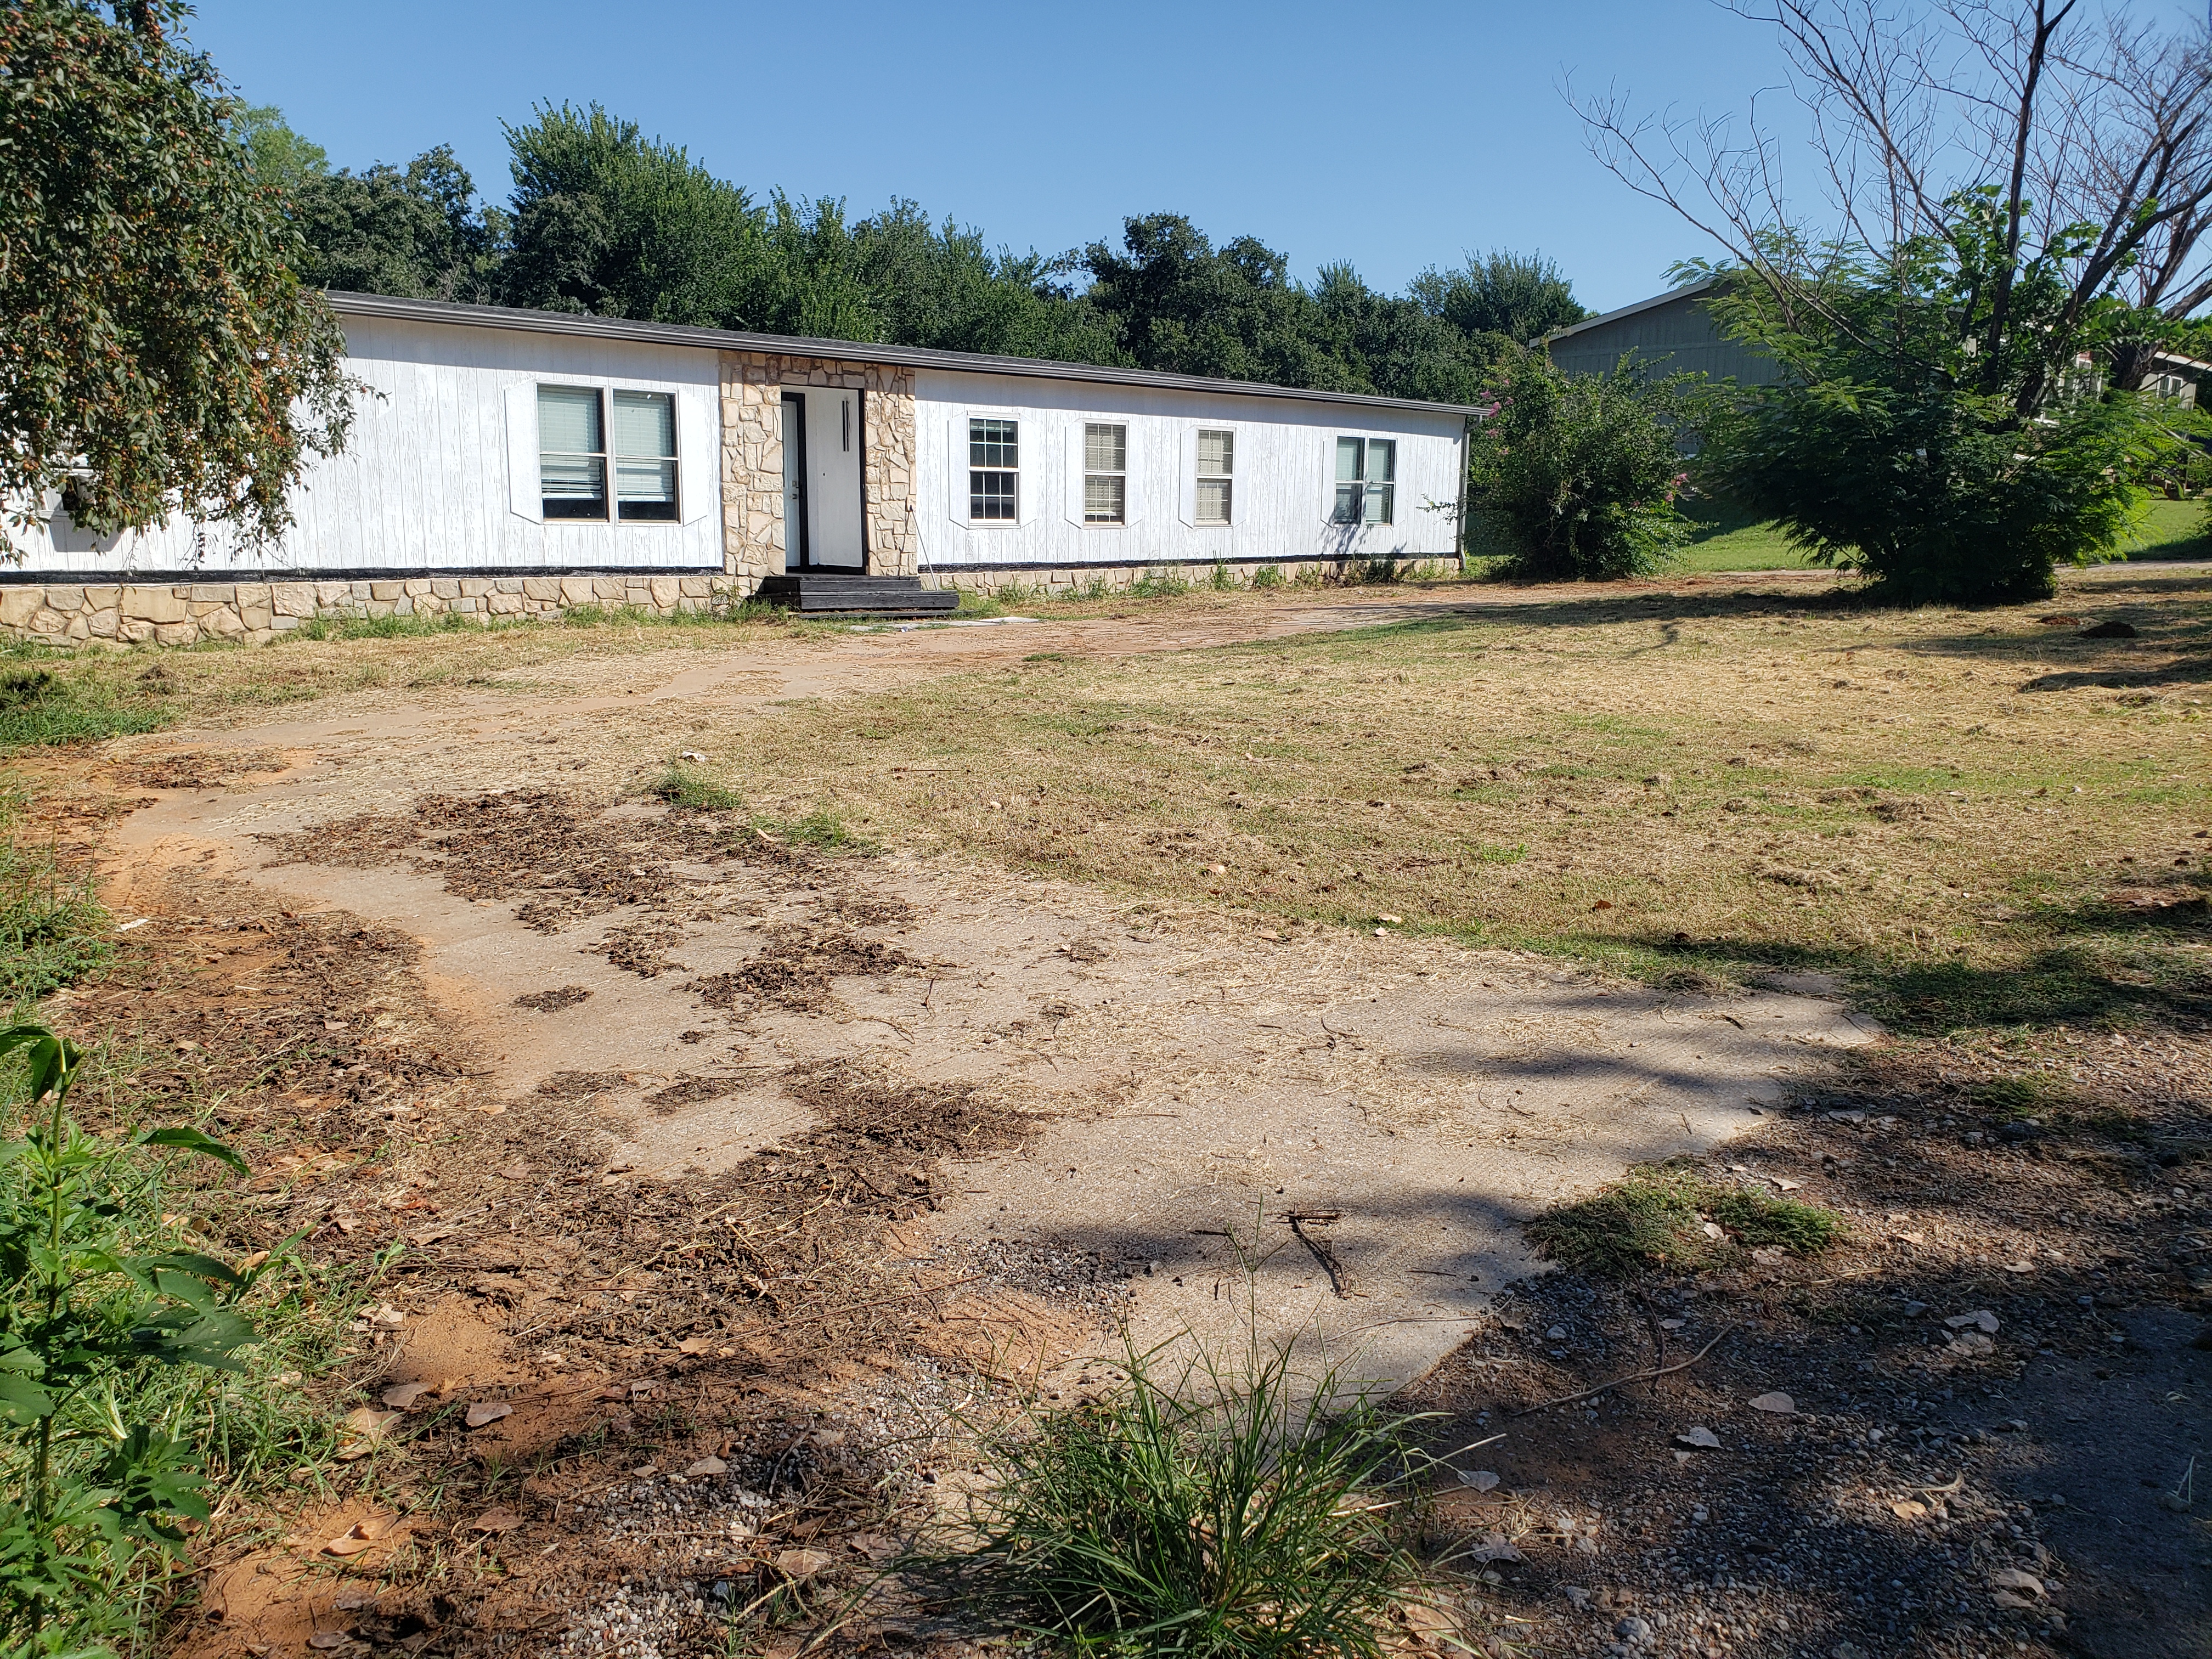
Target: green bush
1159 582
88 1479
1574 477
1930 427
1204 1515
1267 576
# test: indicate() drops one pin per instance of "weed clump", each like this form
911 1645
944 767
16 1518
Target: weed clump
1201 1514
682 784
1657 1218
2022 1095
823 831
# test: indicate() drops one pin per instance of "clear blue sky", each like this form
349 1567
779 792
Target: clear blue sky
1392 136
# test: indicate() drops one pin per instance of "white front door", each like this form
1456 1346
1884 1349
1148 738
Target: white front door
794 480
834 538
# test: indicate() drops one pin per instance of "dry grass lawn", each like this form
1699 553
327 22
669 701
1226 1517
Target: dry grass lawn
1978 817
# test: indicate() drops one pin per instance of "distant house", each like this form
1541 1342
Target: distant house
508 462
1668 333
1674 331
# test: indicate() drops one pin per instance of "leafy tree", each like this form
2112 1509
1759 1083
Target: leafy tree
1403 348
280 156
159 352
1895 444
416 232
1180 304
1519 296
608 222
1577 475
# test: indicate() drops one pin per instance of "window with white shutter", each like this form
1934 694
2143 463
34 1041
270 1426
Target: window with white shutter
575 424
1217 466
995 463
1105 474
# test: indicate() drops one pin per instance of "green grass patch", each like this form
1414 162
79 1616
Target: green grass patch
2172 530
1201 1513
53 931
974 605
1657 1218
2024 1094
823 831
40 709
1159 581
682 784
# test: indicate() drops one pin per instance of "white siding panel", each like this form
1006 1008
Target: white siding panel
1284 475
424 482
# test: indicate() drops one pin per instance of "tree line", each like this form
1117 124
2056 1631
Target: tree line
605 221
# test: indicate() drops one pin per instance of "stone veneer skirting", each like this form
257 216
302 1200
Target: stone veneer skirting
255 612
1063 581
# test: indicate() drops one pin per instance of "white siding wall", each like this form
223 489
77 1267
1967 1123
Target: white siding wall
423 482
1284 476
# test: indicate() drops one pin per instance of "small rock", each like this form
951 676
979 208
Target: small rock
1780 1404
1578 1596
1633 1630
1480 1479
1768 1255
1557 1334
1971 1345
2013 1579
1702 1437
1981 1319
706 1466
1847 1650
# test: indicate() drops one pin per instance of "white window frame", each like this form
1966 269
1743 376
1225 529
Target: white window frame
1118 476
1200 477
696 469
1238 447
1369 488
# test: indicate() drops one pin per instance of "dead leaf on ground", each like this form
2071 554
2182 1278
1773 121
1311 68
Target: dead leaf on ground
359 1536
2013 1579
1480 1479
329 1639
496 1520
488 1411
1908 1509
1780 1404
706 1466
365 1426
801 1564
1701 1436
400 1396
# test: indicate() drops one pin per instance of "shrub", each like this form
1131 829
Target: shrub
1267 576
87 1319
1576 476
1202 1515
1930 430
1221 579
1657 1217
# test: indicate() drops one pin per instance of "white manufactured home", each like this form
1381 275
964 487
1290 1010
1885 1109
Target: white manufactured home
508 461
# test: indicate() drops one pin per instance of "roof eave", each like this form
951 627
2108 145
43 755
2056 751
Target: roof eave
716 339
1683 293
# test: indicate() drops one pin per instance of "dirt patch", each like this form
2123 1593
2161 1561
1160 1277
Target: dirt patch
200 769
1996 1376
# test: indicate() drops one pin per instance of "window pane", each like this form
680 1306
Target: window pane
573 486
1382 460
1213 501
1379 503
1105 498
1347 503
1348 465
645 489
568 421
990 496
644 424
992 443
1105 448
1217 455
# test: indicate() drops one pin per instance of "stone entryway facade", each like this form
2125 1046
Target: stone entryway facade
753 535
